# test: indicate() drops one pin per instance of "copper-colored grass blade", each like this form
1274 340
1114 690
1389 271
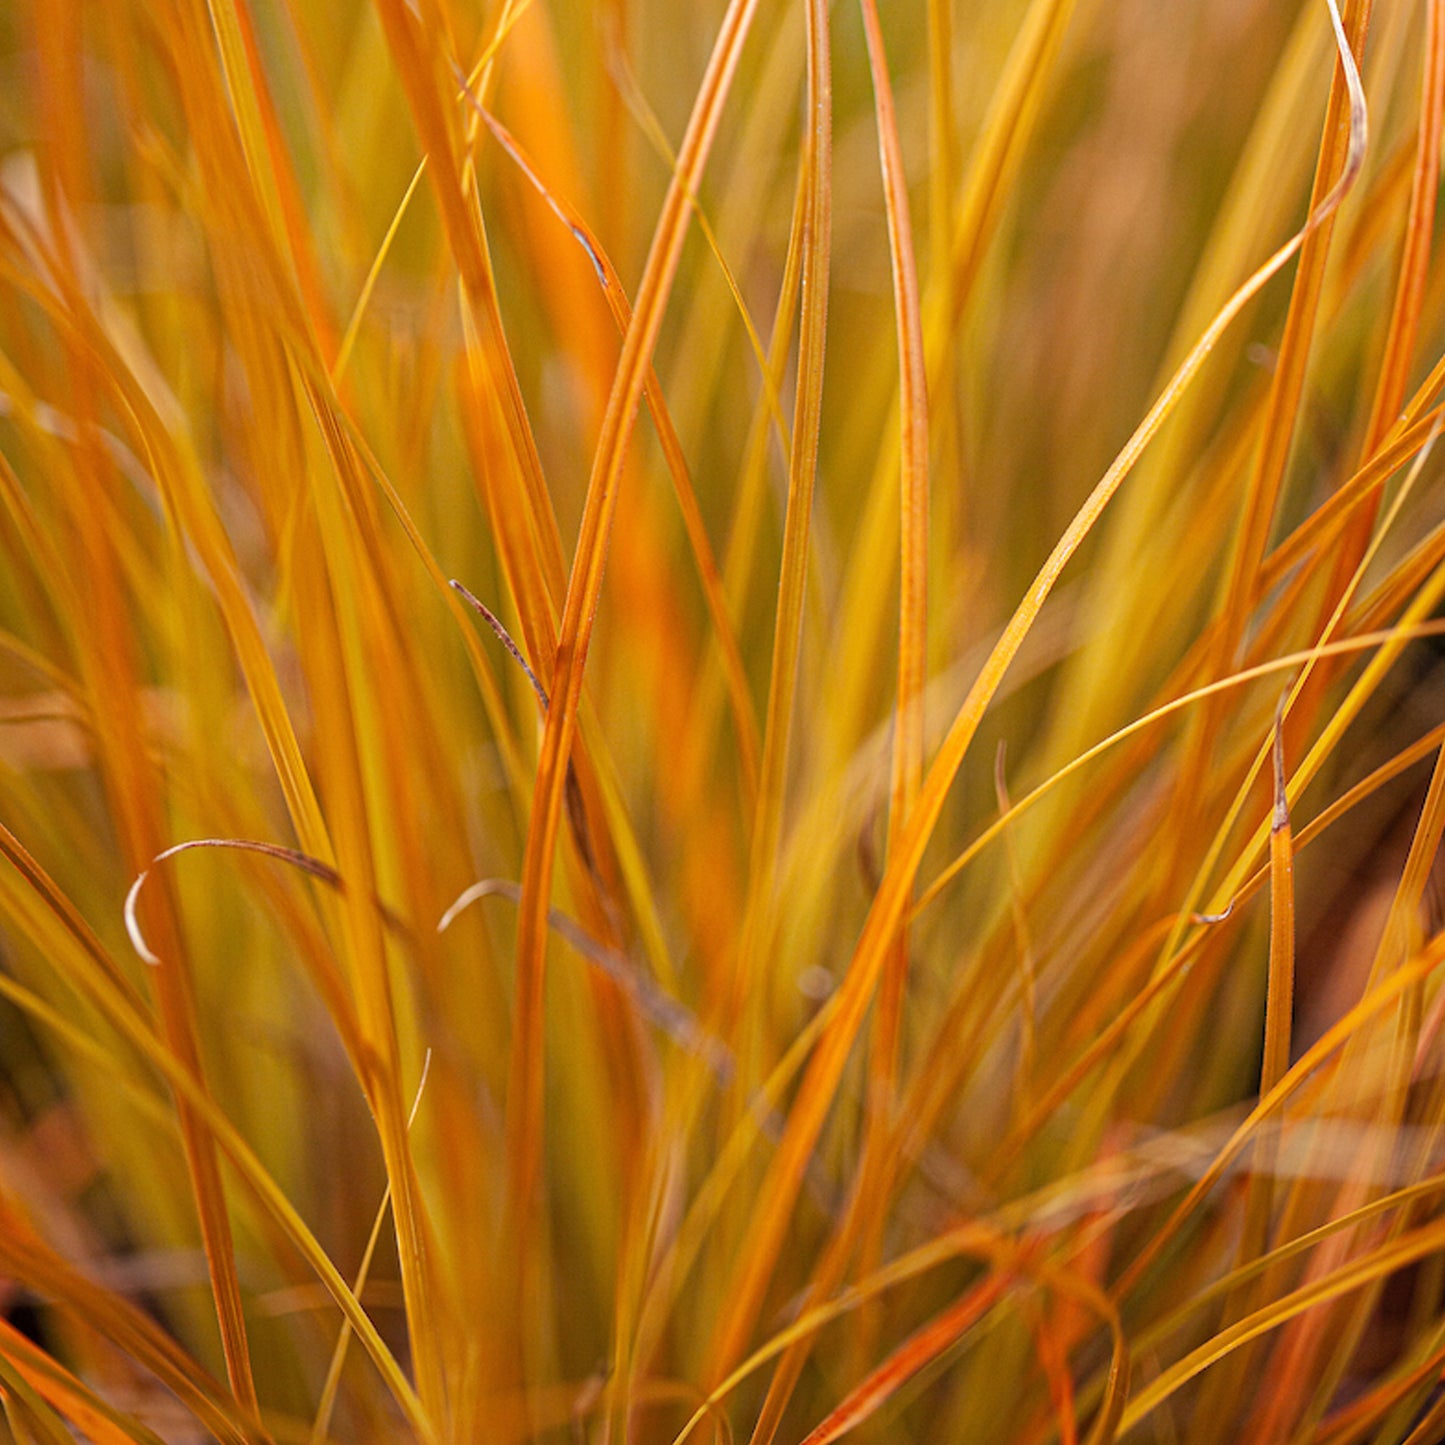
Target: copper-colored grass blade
908 734
1100 1050
740 559
1370 641
322 1423
1298 1247
815 214
1210 441
1392 595
1428 1426
913 437
109 974
920 1349
969 1240
1341 157
1015 107
1419 607
1326 520
534 555
1279 994
263 393
269 160
24 1256
867 1210
69 1396
1028 985
1053 1361
681 1254
1006 1257
1375 1002
1359 1272
658 1007
652 128
1342 150
524 1112
486 682
31 1415
813 217
1355 1420
1410 284
178 474
368 286
1261 1191
105 649
1304 1342
725 634
1014 112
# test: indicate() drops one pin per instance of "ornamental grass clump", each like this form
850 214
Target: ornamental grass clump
721 722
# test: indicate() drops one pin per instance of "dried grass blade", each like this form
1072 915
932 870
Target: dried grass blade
34 1419
1012 116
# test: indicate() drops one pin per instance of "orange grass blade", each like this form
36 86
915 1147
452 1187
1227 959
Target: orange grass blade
973 1239
774 1110
652 129
912 440
815 202
1013 114
1279 995
33 1417
1375 1002
69 1396
1324 523
611 283
1028 986
1342 153
1414 266
908 736
342 358
25 1257
1360 1272
524 1093
919 1350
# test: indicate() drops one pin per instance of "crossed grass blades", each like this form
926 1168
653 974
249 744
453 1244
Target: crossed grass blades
637 805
